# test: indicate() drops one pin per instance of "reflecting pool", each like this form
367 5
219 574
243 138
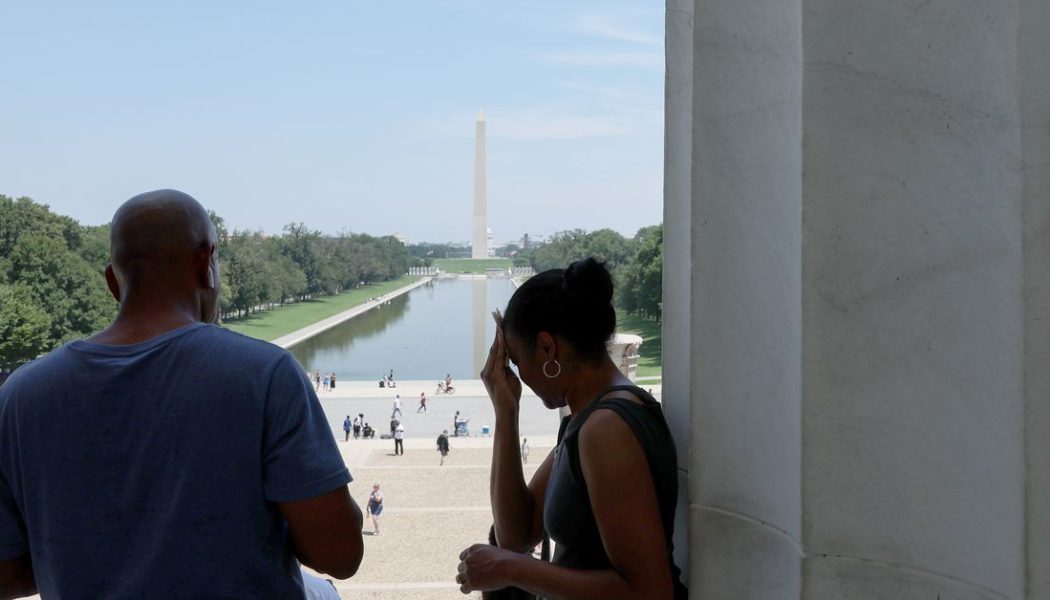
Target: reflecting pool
438 328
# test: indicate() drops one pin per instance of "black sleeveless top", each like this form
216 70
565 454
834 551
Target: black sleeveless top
567 514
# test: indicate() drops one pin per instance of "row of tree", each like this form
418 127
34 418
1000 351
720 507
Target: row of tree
260 272
52 289
636 263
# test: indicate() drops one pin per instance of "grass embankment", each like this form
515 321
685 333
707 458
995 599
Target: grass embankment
471 265
283 320
649 362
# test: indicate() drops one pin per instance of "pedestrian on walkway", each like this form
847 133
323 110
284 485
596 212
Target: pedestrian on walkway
397 406
455 424
317 381
422 402
525 451
331 381
324 383
375 507
393 426
347 424
358 421
442 444
399 440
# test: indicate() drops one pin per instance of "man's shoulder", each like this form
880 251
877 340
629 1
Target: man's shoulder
237 346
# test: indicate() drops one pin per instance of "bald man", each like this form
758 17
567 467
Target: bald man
166 456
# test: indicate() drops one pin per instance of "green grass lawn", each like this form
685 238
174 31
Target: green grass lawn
649 361
470 265
272 324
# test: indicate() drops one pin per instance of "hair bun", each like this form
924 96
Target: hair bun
588 280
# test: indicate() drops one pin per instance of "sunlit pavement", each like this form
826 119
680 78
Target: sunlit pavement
431 513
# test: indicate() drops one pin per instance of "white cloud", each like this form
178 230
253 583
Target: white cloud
646 59
602 27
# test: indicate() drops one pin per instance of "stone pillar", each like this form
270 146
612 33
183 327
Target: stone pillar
862 352
733 219
1035 139
912 275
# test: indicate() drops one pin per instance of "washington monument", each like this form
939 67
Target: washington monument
480 245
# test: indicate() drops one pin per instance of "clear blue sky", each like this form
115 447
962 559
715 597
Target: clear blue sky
344 115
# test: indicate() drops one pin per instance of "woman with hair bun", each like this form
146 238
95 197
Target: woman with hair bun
606 494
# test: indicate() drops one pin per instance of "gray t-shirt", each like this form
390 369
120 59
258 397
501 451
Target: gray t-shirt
153 469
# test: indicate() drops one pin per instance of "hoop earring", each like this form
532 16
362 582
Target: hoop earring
548 375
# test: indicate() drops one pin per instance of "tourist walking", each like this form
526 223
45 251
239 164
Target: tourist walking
422 402
331 381
347 424
442 445
455 424
607 497
375 507
525 451
399 440
317 381
397 406
393 426
324 383
358 421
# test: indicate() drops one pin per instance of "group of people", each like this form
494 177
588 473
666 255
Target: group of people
358 426
258 463
322 382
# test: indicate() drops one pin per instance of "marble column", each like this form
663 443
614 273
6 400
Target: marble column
1035 141
732 332
861 344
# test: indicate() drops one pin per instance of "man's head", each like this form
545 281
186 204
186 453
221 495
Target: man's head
162 254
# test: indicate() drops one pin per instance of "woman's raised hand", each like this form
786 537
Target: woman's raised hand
501 383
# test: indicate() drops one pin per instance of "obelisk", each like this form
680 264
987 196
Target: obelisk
480 245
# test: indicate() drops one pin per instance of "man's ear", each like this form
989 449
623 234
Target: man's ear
206 267
112 282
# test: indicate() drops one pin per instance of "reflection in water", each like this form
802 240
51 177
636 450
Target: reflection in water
479 305
434 329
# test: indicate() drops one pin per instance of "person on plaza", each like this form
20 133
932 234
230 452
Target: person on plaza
324 383
331 381
525 451
358 421
607 496
399 439
422 402
347 425
442 446
367 431
393 425
397 406
375 507
133 466
317 381
448 382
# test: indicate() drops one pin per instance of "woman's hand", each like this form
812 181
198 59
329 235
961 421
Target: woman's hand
484 568
501 383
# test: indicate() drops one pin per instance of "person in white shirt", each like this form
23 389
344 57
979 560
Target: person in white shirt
399 440
397 407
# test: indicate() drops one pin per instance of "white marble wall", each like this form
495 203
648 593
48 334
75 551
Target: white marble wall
867 316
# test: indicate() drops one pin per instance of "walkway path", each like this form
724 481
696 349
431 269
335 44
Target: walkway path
293 338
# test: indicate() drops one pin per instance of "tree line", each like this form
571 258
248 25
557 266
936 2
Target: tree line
636 263
52 288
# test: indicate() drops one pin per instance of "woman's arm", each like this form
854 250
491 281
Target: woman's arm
517 508
623 499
